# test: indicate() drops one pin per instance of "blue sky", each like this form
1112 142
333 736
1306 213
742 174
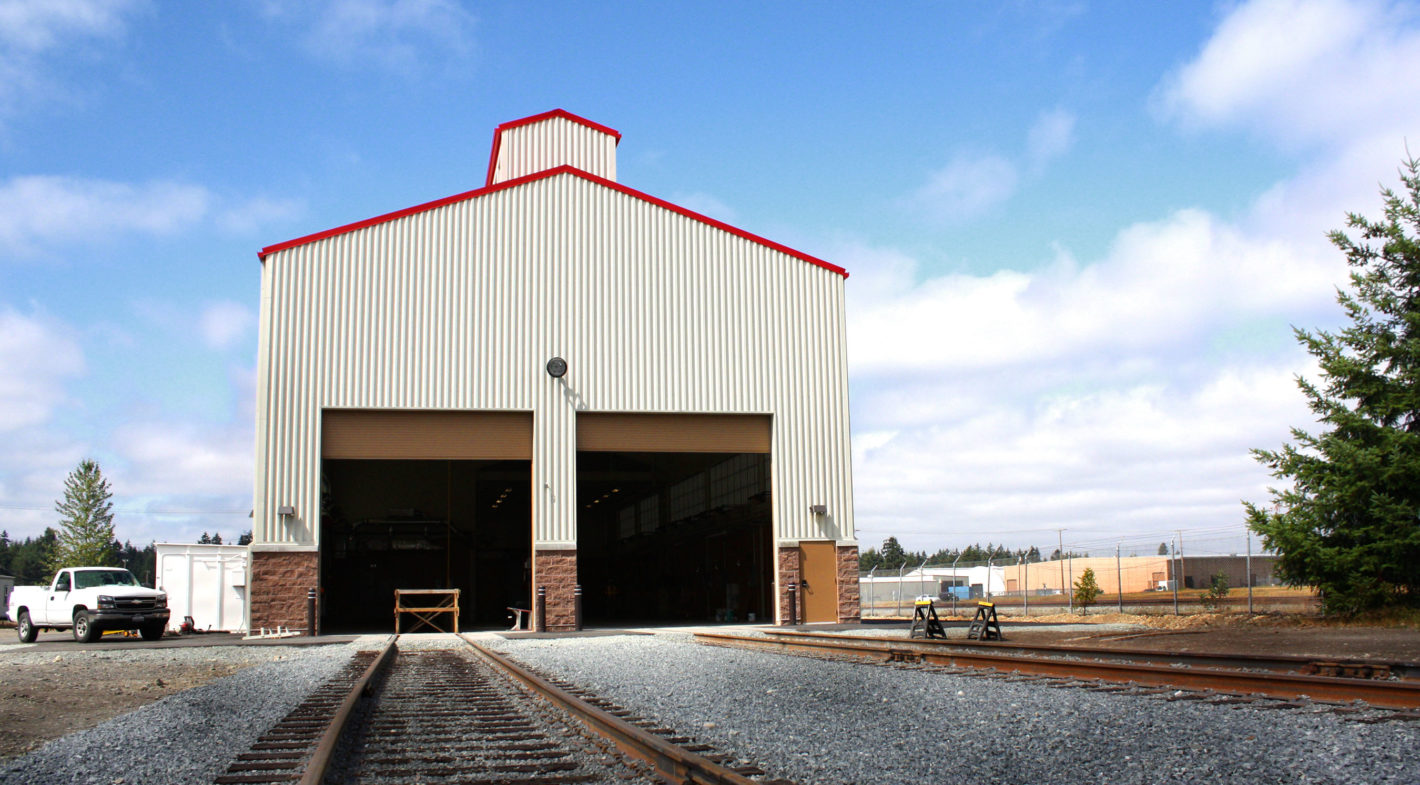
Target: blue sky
1078 233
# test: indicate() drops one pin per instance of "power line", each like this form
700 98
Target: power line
135 512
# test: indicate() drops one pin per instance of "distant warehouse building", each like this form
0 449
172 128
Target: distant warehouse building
552 381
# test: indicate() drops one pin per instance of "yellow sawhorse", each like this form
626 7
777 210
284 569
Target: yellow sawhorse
431 603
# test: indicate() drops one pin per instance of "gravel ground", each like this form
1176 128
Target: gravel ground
188 737
833 722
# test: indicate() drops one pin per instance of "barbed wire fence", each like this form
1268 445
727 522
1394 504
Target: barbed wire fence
1180 571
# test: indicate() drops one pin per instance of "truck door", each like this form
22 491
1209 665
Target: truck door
56 606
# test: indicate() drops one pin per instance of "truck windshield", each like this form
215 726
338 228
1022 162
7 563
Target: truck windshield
88 579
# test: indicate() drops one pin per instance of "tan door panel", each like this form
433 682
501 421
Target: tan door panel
818 564
390 434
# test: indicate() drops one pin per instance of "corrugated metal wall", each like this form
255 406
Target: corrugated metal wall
537 147
460 307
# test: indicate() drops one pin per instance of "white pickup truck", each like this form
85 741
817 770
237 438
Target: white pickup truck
89 600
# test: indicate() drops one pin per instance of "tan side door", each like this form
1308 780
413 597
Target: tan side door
818 562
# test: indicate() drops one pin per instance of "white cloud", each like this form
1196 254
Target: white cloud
174 459
1121 395
1162 284
1305 72
30 26
40 210
971 184
38 358
259 213
225 324
966 187
30 30
397 35
1106 397
47 391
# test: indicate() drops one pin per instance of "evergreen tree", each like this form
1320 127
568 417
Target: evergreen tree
1346 523
217 539
1163 549
205 539
86 520
245 538
1086 590
32 557
893 554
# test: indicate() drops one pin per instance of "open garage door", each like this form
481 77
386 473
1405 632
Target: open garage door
674 519
424 500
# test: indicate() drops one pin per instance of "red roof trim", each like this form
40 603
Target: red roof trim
379 219
537 118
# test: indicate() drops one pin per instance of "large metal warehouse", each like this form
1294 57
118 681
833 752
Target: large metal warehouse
553 381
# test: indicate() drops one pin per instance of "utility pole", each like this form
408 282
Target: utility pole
1249 572
1025 584
1060 540
955 584
1119 577
1175 580
1181 566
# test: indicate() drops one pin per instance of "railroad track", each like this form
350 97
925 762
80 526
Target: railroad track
467 714
1181 672
1274 663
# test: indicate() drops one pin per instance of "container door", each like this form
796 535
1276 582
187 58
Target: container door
818 562
206 593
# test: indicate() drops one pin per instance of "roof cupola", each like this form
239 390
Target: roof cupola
549 140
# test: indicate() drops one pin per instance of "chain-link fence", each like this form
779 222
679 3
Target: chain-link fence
1213 574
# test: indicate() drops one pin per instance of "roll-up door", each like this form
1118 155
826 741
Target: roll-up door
426 435
724 433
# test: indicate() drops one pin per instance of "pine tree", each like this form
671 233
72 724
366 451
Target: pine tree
85 532
893 554
1346 524
1086 590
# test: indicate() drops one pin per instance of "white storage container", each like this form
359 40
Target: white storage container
206 582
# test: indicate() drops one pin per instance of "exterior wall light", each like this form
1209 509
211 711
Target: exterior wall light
818 509
286 509
556 367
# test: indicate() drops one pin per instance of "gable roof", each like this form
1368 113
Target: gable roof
543 175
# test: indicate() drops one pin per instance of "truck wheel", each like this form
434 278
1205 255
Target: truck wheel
84 632
151 632
26 628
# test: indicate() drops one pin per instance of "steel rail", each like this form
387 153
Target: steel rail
669 761
319 761
1280 663
1388 694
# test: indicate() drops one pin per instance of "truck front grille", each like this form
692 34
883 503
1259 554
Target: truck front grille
134 604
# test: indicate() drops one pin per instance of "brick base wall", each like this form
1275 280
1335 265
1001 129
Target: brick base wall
279 582
556 571
849 599
789 575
